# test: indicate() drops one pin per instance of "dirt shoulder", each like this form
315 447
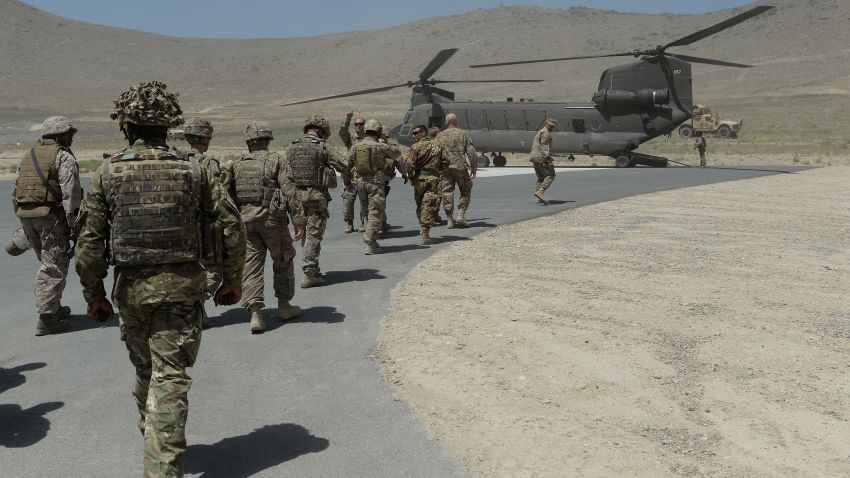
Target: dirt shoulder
696 332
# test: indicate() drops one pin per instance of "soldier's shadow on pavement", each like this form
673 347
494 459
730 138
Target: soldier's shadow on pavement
555 202
13 377
441 239
316 315
250 454
25 427
357 275
402 234
402 248
81 322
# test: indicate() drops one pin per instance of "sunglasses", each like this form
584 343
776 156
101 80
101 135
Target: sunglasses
418 131
359 124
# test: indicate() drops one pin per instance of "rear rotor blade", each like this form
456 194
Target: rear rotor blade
693 37
449 95
484 81
344 95
707 61
439 60
524 62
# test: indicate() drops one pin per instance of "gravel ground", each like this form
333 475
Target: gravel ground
698 332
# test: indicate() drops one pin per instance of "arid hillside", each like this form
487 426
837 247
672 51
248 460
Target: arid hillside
52 64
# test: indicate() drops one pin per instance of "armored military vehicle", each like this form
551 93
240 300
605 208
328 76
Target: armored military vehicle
704 122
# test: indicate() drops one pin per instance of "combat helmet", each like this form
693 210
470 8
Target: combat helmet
57 125
317 121
198 126
373 125
17 243
258 130
148 104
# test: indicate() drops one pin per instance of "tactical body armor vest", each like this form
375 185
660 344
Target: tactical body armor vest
366 159
153 200
252 181
307 160
31 191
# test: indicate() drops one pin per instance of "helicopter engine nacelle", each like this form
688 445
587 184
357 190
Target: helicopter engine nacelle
645 98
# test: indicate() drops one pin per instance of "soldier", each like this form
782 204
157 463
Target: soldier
261 185
350 193
141 215
198 133
544 165
313 165
462 169
46 198
371 158
425 162
701 145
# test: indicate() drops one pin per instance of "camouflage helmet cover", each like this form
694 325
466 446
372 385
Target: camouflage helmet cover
372 125
17 243
148 104
318 122
552 122
57 125
198 126
258 130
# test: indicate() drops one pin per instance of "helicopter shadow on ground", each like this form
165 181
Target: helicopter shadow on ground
357 275
20 427
247 455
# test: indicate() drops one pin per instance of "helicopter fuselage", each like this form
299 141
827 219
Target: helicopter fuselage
635 102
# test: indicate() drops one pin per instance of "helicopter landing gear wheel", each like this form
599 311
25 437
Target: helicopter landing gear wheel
500 161
623 161
724 132
686 131
483 161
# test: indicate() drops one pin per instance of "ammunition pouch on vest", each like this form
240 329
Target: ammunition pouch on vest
252 182
389 168
365 160
153 200
37 188
307 160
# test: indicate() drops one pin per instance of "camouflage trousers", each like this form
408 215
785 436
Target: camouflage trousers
163 341
49 237
702 159
376 199
545 171
317 220
452 177
426 192
277 241
348 206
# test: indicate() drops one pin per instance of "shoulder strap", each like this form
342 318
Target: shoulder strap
41 177
105 181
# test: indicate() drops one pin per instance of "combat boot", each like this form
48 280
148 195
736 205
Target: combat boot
362 227
311 279
373 248
450 220
286 311
50 324
258 325
461 218
385 227
540 197
64 312
349 227
425 235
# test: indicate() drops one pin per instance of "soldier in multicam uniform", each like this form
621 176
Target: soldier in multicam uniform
313 165
46 197
350 192
461 171
141 215
700 146
544 165
261 185
425 162
371 158
198 132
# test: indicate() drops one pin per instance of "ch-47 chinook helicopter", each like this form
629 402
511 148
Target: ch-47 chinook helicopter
634 103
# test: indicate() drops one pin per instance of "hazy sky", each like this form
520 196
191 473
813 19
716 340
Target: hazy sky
274 18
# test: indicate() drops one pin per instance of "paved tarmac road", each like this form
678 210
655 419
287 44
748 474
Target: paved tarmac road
303 399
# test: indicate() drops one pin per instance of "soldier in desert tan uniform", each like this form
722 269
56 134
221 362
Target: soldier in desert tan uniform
46 198
461 171
544 165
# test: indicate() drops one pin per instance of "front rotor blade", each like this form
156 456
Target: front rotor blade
524 62
720 26
439 60
485 81
344 95
708 61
